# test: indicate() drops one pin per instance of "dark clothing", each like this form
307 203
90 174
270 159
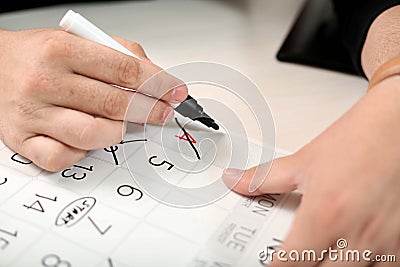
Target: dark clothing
355 17
19 5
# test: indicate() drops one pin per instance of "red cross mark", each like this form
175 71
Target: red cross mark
183 137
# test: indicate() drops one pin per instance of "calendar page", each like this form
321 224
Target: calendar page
98 213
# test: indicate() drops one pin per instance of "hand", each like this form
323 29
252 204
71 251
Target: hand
58 100
349 177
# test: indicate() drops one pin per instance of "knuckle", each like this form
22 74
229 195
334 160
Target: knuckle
329 210
37 81
27 112
54 43
138 49
136 46
40 77
14 139
39 74
113 104
127 71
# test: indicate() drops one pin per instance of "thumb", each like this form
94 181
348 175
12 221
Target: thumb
277 176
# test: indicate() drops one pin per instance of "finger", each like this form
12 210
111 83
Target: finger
280 177
373 236
143 109
50 154
386 264
344 263
110 66
345 253
101 99
378 233
388 258
304 236
134 47
78 129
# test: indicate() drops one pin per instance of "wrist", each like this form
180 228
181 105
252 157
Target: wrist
386 70
381 105
374 120
382 42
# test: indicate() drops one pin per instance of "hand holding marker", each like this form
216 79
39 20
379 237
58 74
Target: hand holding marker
76 24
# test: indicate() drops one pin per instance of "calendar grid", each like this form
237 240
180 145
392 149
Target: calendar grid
96 207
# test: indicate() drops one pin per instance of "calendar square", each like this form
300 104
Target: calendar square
15 161
121 192
81 177
152 246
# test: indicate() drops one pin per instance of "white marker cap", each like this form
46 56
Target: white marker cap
68 20
74 23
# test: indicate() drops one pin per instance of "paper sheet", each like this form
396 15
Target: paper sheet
95 214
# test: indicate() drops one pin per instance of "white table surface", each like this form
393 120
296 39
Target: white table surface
245 35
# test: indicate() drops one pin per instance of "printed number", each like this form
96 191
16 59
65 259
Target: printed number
37 205
68 173
5 242
128 190
102 232
160 164
4 181
9 233
17 158
53 260
112 150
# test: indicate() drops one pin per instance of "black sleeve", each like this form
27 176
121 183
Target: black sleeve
21 5
355 17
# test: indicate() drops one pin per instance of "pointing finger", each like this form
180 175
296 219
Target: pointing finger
280 178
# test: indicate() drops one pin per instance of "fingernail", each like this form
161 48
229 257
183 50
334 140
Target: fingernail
180 93
232 176
168 114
